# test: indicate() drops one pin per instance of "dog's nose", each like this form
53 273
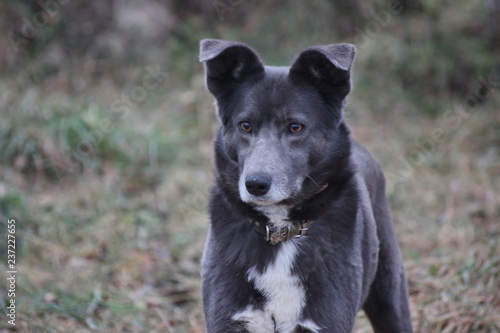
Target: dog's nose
258 183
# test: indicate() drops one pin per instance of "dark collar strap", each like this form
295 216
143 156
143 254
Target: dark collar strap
274 235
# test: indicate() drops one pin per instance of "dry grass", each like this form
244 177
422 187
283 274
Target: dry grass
447 218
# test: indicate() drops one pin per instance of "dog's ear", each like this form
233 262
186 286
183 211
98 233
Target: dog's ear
327 67
228 64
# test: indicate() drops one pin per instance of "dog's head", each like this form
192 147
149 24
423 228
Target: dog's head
283 138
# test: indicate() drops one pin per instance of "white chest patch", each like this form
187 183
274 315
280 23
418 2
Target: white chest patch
285 294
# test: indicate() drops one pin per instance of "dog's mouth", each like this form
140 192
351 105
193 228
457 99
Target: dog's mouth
265 200
261 202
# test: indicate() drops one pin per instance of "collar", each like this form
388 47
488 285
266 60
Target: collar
321 189
274 235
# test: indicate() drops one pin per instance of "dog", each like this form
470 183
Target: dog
301 236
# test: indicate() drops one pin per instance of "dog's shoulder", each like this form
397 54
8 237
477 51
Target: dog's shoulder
368 168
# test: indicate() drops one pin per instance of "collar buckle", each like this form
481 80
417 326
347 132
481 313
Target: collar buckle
274 235
277 235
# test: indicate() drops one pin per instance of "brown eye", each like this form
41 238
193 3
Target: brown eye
246 126
296 128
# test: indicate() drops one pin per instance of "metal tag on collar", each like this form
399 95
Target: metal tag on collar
303 230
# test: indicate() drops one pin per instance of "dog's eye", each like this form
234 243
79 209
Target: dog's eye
296 128
246 126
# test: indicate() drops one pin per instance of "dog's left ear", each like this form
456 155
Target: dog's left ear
327 67
228 64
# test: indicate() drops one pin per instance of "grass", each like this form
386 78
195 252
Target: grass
446 215
111 208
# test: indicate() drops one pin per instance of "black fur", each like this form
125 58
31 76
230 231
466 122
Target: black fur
350 258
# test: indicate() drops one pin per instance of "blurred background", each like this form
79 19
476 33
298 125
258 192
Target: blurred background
105 150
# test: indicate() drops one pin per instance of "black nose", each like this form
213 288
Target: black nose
258 183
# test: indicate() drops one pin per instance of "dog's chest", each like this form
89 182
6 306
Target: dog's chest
284 292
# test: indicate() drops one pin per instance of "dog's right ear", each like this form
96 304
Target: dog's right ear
228 64
328 68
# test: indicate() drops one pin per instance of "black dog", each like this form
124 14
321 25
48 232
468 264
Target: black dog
301 235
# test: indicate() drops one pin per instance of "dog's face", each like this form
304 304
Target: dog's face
282 130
